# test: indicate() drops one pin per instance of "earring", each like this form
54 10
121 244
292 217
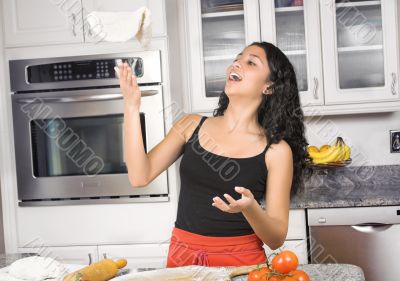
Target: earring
267 92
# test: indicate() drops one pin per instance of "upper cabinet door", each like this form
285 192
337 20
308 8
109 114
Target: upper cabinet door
360 51
293 26
42 22
156 8
219 30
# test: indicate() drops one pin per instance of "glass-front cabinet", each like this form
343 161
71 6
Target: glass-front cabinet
226 27
344 52
293 26
360 51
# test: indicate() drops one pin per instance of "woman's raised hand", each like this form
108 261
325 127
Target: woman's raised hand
129 87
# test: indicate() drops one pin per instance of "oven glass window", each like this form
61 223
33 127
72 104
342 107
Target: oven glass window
79 146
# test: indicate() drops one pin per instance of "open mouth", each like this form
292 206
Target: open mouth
234 77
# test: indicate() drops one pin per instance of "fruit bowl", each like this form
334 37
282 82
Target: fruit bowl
330 164
329 156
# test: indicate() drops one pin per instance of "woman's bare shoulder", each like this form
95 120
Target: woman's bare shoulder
278 153
188 123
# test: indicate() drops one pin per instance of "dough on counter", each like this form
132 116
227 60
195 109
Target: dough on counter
36 268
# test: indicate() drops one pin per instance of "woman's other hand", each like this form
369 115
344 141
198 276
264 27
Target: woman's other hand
129 87
235 206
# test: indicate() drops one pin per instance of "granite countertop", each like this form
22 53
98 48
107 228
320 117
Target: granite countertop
317 272
326 272
351 187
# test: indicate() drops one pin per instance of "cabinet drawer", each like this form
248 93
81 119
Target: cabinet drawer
70 255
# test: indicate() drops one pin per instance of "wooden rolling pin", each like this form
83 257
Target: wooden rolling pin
102 270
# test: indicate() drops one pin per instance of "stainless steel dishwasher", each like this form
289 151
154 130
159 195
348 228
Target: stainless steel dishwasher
368 237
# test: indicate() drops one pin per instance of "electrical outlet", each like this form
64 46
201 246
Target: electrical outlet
394 141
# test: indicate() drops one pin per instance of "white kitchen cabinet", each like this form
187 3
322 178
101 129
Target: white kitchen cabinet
41 22
216 34
360 51
296 239
154 255
71 255
336 74
297 224
137 255
156 8
295 30
299 247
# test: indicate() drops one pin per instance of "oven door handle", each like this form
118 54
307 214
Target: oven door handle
82 98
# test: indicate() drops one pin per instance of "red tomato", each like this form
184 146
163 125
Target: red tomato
258 274
285 262
275 278
289 279
300 275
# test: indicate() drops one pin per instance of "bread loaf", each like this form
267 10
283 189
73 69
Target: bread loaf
103 270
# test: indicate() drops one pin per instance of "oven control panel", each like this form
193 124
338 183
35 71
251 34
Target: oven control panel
80 70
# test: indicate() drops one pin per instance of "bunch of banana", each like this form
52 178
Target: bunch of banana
339 151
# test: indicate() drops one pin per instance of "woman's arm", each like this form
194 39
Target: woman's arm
144 168
271 224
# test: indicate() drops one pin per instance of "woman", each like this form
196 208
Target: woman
225 169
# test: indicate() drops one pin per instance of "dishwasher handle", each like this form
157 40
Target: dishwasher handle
371 227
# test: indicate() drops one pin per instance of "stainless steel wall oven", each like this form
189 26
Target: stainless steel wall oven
68 117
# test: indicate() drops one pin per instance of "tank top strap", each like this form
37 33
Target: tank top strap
266 147
196 131
197 128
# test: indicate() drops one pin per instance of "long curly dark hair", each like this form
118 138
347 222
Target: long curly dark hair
280 113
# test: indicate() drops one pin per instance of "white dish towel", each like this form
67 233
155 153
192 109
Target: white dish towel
121 26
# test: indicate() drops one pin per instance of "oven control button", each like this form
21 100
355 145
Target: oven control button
78 76
83 76
90 75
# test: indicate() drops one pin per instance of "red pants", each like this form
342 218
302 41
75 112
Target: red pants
188 248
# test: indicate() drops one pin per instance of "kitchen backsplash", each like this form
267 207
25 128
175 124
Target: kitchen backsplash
366 134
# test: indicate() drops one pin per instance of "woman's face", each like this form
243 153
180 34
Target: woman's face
248 74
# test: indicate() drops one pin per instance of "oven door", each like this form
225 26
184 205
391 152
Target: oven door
69 146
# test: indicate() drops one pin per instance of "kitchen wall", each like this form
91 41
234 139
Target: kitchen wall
2 92
367 134
2 248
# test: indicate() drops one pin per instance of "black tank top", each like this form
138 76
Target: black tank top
205 175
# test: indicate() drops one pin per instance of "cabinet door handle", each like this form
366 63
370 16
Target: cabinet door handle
394 83
73 16
315 93
90 258
105 255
